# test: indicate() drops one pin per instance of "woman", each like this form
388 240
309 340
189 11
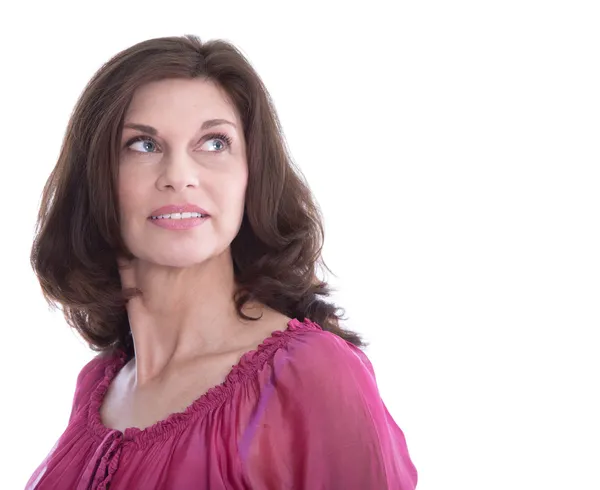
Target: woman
182 245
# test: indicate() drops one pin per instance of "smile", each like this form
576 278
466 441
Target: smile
179 216
179 221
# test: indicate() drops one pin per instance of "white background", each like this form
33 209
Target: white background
453 148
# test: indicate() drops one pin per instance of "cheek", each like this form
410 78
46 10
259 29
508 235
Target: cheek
129 186
241 185
227 189
235 195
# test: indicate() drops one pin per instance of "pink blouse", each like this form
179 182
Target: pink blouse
302 411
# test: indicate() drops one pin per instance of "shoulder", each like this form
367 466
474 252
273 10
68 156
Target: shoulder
316 359
92 373
317 347
95 368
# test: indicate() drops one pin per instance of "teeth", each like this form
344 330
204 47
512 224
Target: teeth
179 216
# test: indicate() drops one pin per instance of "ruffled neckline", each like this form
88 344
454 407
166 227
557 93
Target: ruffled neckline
248 366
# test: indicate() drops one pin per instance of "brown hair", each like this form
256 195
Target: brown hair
278 247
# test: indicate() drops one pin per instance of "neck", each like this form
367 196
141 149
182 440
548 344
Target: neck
183 313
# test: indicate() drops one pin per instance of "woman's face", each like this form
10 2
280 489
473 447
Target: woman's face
177 148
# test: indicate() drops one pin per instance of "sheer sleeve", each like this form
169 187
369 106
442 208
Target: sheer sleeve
321 424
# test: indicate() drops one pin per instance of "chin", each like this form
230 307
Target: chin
184 255
173 258
179 260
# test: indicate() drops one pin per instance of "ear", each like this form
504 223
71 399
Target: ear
126 271
123 262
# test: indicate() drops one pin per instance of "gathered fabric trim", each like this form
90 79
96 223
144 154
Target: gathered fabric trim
248 366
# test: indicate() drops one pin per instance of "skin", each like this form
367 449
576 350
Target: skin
185 329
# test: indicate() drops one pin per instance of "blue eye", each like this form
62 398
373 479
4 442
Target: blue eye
148 145
224 141
220 143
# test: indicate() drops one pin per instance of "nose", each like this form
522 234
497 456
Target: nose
179 171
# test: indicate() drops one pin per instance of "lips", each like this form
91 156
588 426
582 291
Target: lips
178 208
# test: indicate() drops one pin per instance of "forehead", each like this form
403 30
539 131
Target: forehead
201 98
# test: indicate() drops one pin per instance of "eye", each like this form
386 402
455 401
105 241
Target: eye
142 144
218 142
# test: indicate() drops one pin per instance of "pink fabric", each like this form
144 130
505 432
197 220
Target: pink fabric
302 411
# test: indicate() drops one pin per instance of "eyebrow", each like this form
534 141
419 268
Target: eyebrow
153 131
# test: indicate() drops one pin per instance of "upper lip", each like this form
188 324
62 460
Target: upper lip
178 208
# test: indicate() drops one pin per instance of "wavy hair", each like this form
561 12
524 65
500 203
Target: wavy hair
77 240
